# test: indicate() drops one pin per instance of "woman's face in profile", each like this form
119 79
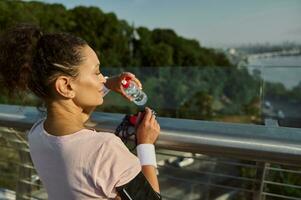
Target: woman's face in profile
90 82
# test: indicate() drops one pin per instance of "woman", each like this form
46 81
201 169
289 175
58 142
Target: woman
73 161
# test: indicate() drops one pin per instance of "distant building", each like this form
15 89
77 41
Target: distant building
232 51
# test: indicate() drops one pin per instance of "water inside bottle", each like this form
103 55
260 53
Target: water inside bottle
138 96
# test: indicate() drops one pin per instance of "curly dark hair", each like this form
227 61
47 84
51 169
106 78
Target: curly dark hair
31 60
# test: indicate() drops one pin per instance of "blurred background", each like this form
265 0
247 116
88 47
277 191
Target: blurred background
234 61
228 61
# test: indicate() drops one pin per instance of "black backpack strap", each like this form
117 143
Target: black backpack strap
138 189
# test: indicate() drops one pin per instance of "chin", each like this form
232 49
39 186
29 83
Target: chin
100 101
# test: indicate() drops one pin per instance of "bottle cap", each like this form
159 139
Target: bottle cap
126 82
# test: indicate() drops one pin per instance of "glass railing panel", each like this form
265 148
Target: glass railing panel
281 96
202 93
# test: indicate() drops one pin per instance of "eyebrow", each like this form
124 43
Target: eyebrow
97 65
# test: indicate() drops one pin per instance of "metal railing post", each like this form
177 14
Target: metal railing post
261 171
23 190
258 186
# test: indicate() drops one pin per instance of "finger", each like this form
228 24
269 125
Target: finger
147 116
156 123
133 77
138 119
137 82
122 92
127 74
153 119
158 126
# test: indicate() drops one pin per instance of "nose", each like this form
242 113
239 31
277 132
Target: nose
103 79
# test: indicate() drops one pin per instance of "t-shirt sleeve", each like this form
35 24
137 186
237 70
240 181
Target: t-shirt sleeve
115 166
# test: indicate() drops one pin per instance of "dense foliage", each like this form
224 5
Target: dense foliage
112 38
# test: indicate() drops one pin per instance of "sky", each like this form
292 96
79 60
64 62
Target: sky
214 23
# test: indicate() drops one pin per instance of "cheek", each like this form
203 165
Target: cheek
88 87
88 93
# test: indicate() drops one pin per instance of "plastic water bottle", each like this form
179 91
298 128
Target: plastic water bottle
132 90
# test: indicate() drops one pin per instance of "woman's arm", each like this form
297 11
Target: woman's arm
150 174
145 185
147 133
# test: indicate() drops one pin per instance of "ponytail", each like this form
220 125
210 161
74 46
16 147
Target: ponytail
30 60
17 48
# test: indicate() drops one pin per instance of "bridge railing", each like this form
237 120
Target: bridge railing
197 159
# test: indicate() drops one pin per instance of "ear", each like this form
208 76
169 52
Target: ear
64 87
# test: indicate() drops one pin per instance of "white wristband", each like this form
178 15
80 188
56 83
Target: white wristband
105 89
146 154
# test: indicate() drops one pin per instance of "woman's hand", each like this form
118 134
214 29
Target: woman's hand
149 129
114 83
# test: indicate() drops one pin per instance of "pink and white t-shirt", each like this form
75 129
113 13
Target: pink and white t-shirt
83 165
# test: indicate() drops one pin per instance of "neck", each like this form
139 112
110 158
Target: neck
63 118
